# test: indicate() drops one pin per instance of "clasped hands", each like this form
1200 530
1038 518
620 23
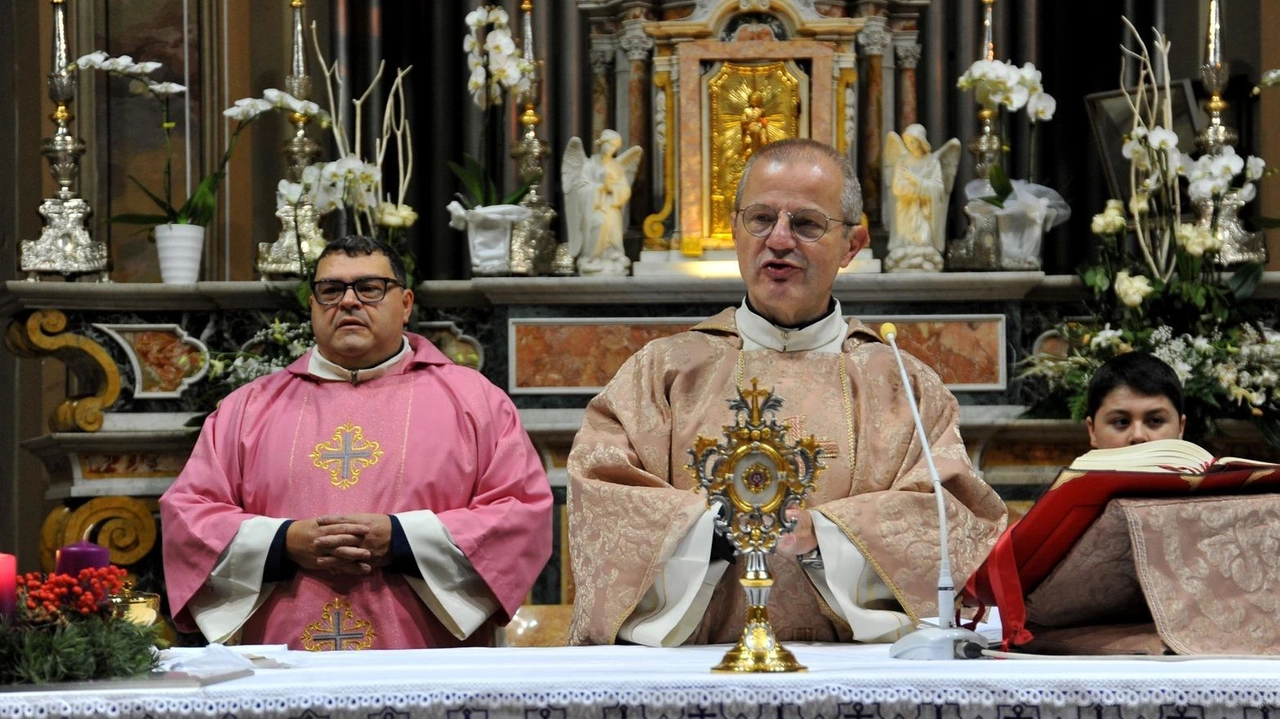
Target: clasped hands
350 544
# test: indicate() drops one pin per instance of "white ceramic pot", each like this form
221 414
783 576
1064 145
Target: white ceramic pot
180 248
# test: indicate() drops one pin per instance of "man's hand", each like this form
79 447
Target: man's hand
349 544
363 539
802 539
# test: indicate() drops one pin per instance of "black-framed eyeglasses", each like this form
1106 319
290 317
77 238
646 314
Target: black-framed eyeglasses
806 225
369 290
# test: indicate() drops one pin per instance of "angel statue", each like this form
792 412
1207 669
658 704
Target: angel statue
596 189
920 184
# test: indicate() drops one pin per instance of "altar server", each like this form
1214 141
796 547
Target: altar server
371 495
863 562
1134 398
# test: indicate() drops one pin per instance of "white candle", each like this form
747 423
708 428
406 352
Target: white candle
1213 39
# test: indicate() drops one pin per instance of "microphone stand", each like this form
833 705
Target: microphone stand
945 641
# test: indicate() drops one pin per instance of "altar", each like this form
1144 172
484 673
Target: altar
616 682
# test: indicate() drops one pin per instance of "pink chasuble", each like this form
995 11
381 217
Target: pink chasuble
431 435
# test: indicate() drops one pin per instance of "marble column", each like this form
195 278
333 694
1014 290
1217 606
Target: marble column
874 40
908 57
602 54
638 46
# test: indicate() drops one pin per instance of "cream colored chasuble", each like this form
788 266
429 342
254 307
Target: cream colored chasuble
671 609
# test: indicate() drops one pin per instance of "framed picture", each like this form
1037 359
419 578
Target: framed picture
1112 119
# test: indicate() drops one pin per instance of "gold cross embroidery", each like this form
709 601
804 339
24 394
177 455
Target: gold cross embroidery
795 426
345 455
338 629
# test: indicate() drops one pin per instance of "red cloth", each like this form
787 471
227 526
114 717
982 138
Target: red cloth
449 441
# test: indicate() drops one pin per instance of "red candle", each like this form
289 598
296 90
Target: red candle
81 555
8 587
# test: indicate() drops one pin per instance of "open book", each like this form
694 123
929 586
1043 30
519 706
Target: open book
1033 546
1161 455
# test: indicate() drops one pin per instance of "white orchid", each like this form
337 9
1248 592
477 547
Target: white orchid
997 84
495 64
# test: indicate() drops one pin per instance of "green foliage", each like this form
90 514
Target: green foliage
479 189
88 648
1001 185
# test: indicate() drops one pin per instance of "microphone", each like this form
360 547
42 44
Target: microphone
945 641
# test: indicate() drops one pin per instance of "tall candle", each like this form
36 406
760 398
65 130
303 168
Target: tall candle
8 587
81 555
1213 36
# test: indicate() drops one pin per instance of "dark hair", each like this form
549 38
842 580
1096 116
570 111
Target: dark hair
799 149
359 245
1145 374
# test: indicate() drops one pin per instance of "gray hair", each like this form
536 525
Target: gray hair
798 149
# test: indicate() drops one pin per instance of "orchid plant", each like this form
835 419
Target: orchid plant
197 209
497 68
1000 85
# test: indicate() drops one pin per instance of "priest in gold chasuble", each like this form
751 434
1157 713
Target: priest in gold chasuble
862 564
372 495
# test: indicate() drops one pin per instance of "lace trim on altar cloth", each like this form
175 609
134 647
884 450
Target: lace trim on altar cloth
644 683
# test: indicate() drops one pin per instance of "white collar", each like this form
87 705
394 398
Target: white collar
321 368
825 335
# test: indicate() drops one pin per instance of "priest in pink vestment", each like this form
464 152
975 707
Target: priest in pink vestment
862 564
372 495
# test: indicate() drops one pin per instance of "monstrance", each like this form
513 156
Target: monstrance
751 480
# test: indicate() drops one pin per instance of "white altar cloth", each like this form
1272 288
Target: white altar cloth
626 682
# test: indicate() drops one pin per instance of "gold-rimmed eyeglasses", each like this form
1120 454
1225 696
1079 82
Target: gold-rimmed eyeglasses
805 225
369 290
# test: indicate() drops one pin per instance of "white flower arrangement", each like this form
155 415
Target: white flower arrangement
1168 297
496 65
353 182
270 349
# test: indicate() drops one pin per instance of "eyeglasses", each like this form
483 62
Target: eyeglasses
369 290
806 225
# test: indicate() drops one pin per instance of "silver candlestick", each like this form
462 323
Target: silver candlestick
300 238
1220 214
979 248
533 243
64 246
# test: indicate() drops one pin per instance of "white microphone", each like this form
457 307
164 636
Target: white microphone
945 641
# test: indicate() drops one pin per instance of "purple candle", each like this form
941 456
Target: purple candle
81 555
8 588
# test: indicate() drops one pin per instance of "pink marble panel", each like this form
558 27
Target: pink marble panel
580 356
962 352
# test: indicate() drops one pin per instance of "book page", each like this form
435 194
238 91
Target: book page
1161 455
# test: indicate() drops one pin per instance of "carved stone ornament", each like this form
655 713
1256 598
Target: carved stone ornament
908 56
602 59
635 41
874 39
124 525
